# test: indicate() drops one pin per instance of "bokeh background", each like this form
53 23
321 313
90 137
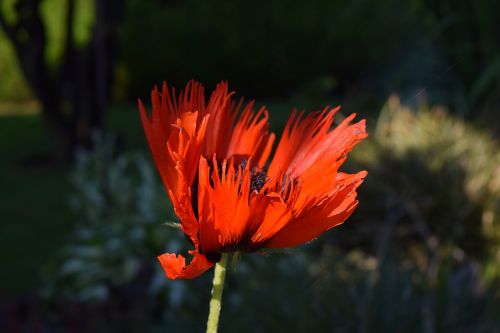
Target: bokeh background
83 210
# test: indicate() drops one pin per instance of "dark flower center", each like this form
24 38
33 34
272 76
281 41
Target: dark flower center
257 177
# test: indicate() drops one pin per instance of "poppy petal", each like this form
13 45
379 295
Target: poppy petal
223 205
230 133
312 152
231 217
222 117
175 132
315 217
175 265
270 215
308 145
251 136
155 132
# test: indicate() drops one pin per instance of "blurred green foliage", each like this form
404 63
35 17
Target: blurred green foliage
442 172
265 48
15 87
118 203
419 255
363 50
53 12
467 33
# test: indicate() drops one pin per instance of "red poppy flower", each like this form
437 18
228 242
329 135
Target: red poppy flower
212 158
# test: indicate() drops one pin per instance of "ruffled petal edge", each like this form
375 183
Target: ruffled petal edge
175 266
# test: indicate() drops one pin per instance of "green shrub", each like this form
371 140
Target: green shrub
119 206
438 175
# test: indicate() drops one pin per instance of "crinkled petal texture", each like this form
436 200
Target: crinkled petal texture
232 217
199 148
311 151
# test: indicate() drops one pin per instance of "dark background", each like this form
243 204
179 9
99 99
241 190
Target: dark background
82 208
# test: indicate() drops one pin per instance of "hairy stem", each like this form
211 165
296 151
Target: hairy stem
216 300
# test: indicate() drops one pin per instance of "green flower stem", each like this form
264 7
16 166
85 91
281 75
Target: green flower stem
216 300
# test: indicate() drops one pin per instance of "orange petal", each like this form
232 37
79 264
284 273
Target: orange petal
230 133
223 206
231 218
311 143
183 209
319 214
251 136
310 150
175 265
222 116
155 133
270 215
176 133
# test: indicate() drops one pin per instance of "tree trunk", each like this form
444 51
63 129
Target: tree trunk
83 79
